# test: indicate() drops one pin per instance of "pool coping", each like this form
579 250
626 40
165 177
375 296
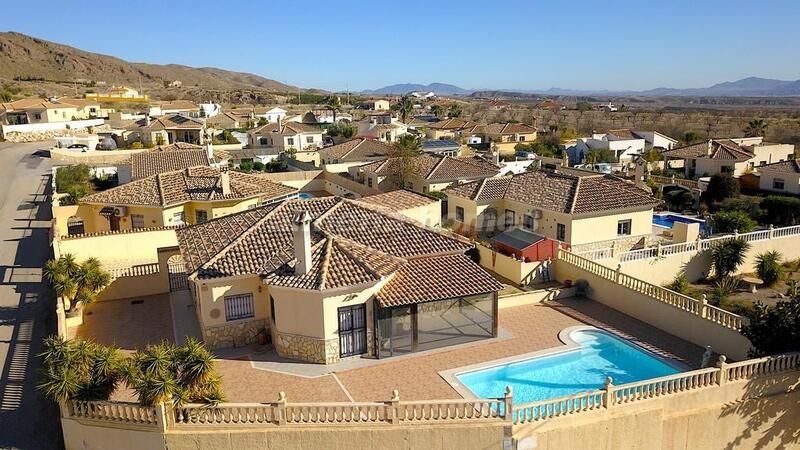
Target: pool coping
667 213
450 376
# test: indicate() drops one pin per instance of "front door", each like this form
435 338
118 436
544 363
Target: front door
352 330
113 222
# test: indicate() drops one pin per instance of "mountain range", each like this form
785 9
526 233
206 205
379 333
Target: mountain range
27 57
746 87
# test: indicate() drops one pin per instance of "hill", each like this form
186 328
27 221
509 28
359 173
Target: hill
404 88
26 57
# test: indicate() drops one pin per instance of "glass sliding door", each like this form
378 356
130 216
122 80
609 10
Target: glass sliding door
395 331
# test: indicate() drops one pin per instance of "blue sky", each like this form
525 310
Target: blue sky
474 44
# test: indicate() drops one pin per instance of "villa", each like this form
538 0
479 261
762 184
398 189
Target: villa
358 150
572 206
382 126
735 156
169 199
168 130
333 278
424 173
167 158
504 136
305 139
782 177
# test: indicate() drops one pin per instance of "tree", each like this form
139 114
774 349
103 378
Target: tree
727 256
181 374
291 153
258 166
769 268
79 284
774 329
679 199
79 370
595 156
583 106
755 128
405 107
781 210
437 110
690 137
720 187
730 221
346 130
73 181
261 122
246 165
454 111
403 159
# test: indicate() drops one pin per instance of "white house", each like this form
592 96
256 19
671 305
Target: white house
382 127
273 115
736 156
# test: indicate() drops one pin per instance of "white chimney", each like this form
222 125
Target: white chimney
147 120
210 151
301 222
279 123
225 181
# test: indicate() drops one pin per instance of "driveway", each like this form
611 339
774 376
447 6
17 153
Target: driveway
27 420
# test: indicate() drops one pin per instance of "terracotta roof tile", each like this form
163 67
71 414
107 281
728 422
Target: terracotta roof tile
725 149
789 166
399 200
439 167
149 163
359 149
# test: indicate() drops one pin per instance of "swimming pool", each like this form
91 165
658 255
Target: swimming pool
599 355
667 220
304 196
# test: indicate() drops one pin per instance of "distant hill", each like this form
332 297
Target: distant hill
437 88
33 58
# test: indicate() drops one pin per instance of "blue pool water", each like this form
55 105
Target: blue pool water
304 196
667 220
600 355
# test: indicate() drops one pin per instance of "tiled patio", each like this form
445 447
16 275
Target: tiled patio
130 323
532 328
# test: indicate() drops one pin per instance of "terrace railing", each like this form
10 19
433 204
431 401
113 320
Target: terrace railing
134 270
697 245
691 184
611 396
165 417
684 302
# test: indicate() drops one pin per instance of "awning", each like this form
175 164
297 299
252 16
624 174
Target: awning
107 211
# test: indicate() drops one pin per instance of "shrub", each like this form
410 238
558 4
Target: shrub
679 284
720 187
780 210
730 221
246 166
79 370
769 268
774 329
277 165
749 205
79 283
136 145
679 199
258 166
728 255
723 288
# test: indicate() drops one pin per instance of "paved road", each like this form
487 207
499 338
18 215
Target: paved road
27 420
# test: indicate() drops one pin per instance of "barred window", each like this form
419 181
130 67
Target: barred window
137 221
238 307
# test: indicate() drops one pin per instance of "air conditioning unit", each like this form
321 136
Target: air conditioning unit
120 211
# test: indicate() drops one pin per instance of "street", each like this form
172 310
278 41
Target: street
27 419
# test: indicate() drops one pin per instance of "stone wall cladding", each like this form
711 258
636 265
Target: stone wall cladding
234 334
306 348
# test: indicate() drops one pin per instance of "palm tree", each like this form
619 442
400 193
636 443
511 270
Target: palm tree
756 127
405 107
454 111
79 284
402 157
78 369
437 110
689 137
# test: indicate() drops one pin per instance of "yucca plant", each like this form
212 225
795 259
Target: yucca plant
77 283
723 289
78 369
727 256
793 289
679 284
769 268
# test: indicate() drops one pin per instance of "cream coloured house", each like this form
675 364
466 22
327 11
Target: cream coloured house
331 278
783 177
423 173
381 126
168 199
576 207
736 156
36 110
304 139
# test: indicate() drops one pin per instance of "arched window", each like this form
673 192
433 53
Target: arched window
75 226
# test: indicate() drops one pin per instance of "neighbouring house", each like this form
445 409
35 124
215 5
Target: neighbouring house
87 109
117 94
375 105
526 245
503 136
169 199
443 147
36 110
735 156
447 129
332 278
652 139
381 126
358 150
497 104
422 208
271 115
168 130
423 173
304 139
167 158
576 207
223 121
624 144
783 177
182 107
